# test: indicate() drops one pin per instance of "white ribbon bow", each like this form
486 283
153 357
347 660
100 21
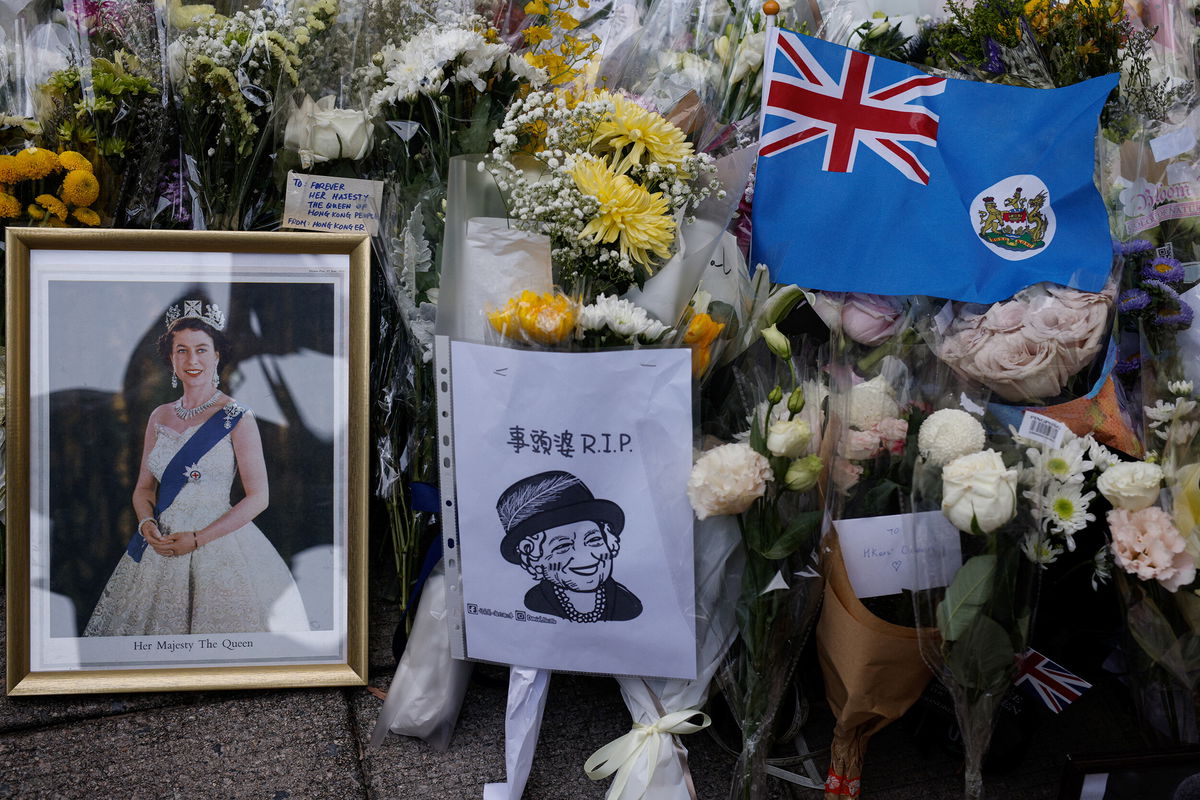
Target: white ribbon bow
621 754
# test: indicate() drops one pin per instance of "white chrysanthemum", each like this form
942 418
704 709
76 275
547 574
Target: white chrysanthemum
1039 549
1065 464
949 433
871 403
621 317
1100 455
727 480
1181 388
1065 510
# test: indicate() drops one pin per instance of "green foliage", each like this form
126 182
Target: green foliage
971 588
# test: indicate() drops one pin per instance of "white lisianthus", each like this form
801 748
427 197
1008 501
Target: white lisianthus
871 403
949 433
979 488
1131 485
803 473
789 438
727 480
320 132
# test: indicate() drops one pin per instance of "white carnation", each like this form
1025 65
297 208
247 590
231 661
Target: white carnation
727 480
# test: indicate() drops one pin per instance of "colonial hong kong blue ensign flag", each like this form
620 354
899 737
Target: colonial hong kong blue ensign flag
876 177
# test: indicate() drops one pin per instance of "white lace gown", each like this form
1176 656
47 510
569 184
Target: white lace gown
235 584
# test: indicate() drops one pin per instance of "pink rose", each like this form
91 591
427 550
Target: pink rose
1146 543
1018 368
868 319
893 433
859 445
1005 317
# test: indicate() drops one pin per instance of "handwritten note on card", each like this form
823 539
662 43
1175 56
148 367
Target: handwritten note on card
881 559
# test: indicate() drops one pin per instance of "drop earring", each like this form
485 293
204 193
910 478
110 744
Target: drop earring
216 378
174 380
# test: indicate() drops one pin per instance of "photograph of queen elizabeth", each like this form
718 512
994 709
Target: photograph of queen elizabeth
567 540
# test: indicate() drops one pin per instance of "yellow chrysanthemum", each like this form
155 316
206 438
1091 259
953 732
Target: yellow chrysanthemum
52 204
36 162
73 160
35 212
639 221
86 216
10 172
643 132
80 188
537 7
10 207
546 319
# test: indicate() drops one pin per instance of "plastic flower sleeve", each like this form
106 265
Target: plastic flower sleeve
719 562
979 582
866 623
767 476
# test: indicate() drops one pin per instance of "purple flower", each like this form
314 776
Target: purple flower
992 61
1181 316
1129 366
1167 270
1133 300
1132 246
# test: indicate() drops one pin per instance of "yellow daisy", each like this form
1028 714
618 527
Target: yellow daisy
10 172
639 221
80 187
36 162
10 207
86 216
73 160
643 132
52 204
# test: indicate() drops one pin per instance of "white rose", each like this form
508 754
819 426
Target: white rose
871 403
1131 485
727 480
949 433
979 487
319 132
789 438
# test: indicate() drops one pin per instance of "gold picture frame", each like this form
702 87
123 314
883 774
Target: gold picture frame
88 385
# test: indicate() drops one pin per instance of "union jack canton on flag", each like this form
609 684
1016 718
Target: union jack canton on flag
876 177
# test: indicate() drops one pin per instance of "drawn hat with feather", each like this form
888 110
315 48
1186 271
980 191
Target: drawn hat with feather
547 500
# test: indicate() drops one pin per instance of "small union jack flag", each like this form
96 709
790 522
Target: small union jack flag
847 112
1053 685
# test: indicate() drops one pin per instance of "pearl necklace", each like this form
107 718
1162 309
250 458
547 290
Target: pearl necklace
188 413
578 616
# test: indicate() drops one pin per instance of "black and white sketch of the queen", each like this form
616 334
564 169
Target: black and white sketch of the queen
566 539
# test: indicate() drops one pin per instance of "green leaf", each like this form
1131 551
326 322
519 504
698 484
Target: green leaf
972 587
797 533
983 658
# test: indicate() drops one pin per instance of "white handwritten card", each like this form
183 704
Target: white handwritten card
882 558
574 532
332 205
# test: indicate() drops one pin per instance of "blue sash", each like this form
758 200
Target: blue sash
177 474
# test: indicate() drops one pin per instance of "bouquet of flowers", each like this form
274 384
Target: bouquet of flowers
610 184
108 104
1017 503
768 476
226 73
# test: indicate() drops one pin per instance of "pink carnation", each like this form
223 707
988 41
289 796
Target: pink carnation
860 445
893 433
844 474
1146 543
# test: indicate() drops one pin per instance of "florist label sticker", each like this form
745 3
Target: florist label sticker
574 528
881 560
332 205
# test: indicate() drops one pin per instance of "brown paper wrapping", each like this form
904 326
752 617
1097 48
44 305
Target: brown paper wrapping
873 673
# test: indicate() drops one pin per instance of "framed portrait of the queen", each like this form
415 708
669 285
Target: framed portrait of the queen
186 460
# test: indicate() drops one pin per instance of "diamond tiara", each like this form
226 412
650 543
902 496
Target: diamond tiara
212 313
